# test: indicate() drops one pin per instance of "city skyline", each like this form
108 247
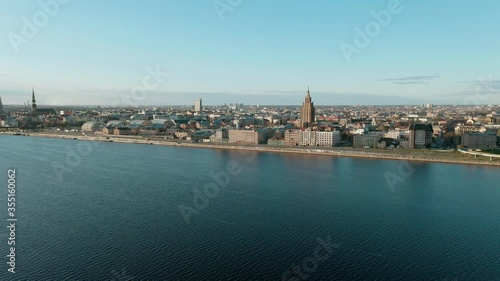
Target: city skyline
130 103
250 139
92 53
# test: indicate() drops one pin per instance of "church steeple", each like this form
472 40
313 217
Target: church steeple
33 101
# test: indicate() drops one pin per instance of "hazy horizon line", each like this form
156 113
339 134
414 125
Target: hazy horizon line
260 105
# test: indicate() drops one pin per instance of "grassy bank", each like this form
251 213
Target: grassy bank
423 155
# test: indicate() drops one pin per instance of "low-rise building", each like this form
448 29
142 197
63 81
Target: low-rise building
109 130
327 139
387 142
147 131
181 134
479 140
220 136
201 135
366 140
250 136
10 122
119 131
463 129
393 134
404 143
307 137
92 126
292 137
243 136
276 142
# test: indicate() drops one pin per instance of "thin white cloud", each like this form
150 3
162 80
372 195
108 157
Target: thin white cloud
412 80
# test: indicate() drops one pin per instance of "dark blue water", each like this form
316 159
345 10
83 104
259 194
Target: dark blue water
114 213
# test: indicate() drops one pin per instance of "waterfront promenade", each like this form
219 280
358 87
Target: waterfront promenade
454 157
481 154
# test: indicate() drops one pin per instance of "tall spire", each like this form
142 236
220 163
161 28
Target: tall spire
308 96
33 101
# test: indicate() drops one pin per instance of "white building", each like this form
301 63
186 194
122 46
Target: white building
307 137
393 134
197 105
463 129
92 126
360 131
327 138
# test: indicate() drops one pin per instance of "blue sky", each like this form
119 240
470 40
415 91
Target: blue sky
255 52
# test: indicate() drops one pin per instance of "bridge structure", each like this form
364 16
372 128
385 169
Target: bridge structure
477 153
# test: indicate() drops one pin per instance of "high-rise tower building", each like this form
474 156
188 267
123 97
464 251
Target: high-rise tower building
421 135
197 105
307 112
33 101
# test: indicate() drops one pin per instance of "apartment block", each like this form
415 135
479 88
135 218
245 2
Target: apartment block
479 140
292 137
366 140
220 135
327 139
307 137
463 129
250 136
421 135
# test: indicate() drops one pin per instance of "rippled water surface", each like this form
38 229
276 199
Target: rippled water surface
114 212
